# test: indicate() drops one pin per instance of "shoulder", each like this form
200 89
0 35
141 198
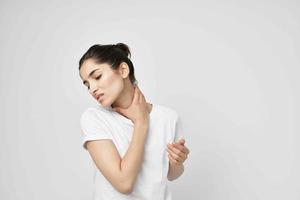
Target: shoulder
93 113
166 110
89 112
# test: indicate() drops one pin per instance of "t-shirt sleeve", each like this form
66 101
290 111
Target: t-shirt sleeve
178 129
93 127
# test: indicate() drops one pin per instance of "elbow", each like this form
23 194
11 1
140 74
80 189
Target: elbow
125 186
126 189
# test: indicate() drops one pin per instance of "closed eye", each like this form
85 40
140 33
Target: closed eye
97 78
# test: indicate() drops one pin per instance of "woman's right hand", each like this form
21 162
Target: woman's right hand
137 112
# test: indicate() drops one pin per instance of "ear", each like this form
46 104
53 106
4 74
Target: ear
124 70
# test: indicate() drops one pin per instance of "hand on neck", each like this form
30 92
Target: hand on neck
126 98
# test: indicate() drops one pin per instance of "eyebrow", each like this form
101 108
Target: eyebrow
91 73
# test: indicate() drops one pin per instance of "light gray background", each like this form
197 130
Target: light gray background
230 69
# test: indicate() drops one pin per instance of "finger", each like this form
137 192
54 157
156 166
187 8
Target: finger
179 147
175 156
139 94
182 152
142 99
173 161
187 150
136 94
183 148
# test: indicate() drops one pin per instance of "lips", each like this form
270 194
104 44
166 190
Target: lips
99 97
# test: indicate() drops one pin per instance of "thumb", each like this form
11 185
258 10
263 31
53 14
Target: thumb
181 141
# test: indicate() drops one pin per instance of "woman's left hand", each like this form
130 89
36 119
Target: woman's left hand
178 153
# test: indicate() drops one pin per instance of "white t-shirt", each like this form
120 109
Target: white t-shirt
164 127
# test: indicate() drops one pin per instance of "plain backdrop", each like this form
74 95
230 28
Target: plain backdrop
230 69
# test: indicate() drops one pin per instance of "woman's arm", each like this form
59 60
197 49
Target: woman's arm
133 158
120 172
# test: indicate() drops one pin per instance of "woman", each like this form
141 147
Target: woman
127 137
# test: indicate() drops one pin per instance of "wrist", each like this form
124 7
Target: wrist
141 124
175 170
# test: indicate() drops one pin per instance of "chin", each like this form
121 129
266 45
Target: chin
105 104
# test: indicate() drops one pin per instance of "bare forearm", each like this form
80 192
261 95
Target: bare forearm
132 160
175 171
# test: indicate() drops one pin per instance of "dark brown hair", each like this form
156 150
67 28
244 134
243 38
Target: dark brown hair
112 54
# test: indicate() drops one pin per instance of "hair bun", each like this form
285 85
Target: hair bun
124 48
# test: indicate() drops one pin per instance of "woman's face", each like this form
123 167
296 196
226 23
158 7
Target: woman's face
102 81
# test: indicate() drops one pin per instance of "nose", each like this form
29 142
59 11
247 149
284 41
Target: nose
93 90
